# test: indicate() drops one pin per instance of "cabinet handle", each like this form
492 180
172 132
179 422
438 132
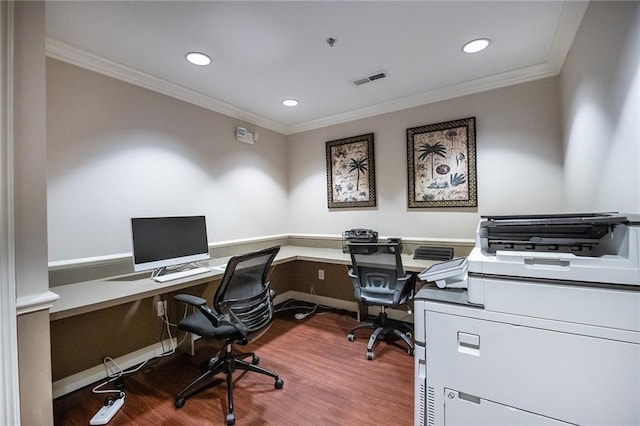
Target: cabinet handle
468 343
546 262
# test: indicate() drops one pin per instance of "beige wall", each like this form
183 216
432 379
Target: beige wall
30 211
521 162
9 394
105 136
519 165
30 149
34 360
601 109
117 151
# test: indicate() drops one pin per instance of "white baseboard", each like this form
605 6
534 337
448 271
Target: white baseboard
321 300
94 374
351 306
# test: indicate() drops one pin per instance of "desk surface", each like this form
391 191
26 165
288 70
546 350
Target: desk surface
88 296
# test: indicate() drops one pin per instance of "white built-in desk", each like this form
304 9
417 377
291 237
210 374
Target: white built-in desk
88 296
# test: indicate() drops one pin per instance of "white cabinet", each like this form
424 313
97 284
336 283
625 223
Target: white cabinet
460 407
479 367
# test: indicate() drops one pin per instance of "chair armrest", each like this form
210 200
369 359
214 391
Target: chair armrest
190 299
403 282
201 304
272 294
355 283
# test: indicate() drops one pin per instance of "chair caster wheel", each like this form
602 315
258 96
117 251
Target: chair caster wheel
255 360
409 335
369 356
279 383
179 402
351 337
231 419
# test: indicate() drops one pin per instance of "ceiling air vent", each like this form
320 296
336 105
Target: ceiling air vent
373 77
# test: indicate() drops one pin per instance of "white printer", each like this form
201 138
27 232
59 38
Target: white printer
539 325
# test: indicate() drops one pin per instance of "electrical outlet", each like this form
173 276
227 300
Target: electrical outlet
161 308
321 274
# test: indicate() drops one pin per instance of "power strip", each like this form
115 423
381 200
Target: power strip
108 410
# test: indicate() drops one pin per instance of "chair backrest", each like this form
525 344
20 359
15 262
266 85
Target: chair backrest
244 293
378 275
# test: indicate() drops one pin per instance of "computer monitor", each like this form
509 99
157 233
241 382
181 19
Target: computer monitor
168 241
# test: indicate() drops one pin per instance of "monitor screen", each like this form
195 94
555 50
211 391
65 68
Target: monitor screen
167 241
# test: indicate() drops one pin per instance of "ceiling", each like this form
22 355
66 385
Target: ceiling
264 52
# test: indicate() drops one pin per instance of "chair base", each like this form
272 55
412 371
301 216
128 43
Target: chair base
382 326
226 363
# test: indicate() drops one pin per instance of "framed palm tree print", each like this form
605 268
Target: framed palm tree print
351 172
441 162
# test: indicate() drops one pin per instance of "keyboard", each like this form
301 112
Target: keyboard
180 274
220 267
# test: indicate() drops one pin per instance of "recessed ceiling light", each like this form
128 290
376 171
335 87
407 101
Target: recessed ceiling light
475 46
197 58
290 102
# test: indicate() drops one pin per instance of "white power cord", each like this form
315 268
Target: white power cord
115 372
302 315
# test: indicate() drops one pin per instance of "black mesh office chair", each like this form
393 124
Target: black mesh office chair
242 311
379 279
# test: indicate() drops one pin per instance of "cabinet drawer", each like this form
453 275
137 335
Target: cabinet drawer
564 376
464 410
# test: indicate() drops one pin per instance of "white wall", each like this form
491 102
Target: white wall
29 151
600 84
28 209
117 151
519 165
9 389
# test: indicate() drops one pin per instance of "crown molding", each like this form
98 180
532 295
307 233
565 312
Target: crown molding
567 27
467 88
64 52
569 22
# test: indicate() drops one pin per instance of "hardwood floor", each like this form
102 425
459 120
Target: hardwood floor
327 381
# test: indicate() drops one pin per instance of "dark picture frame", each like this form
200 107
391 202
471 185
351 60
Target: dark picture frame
441 164
351 172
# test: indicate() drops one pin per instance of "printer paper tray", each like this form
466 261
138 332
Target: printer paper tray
557 266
